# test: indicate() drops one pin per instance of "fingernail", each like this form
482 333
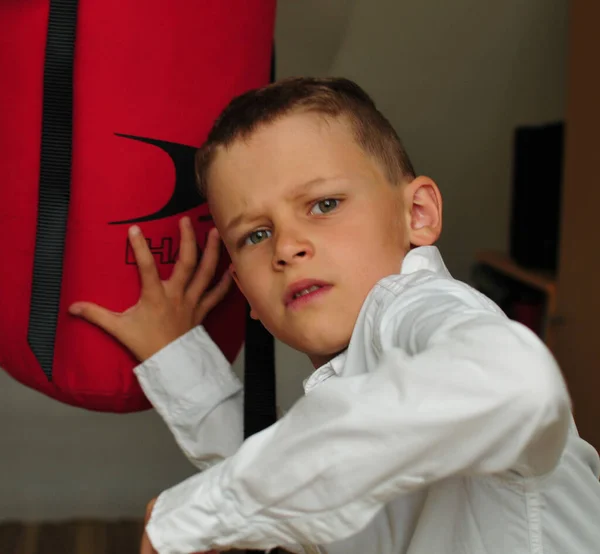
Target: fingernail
75 309
135 230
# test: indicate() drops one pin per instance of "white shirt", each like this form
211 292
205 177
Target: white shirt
444 428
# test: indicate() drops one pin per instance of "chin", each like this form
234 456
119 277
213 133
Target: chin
318 360
323 355
315 344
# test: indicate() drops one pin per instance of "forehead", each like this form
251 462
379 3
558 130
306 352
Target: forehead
287 144
294 149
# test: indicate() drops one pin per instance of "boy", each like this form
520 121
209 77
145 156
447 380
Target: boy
432 423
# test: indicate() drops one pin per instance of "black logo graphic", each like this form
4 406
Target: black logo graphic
185 197
185 194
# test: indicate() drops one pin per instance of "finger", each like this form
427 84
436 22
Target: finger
208 265
188 254
213 297
103 318
144 259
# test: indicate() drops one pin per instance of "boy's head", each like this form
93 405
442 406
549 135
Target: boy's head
316 200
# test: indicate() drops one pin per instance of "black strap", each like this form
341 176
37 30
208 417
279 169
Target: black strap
259 378
259 368
55 181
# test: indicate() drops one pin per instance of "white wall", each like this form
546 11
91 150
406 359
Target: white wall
455 78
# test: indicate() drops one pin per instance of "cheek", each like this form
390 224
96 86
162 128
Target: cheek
363 243
253 284
369 252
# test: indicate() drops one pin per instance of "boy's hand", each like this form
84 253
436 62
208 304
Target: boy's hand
167 309
146 546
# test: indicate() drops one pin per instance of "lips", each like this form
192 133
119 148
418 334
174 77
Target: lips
303 290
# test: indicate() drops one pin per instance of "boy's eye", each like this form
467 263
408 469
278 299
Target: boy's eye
325 206
257 236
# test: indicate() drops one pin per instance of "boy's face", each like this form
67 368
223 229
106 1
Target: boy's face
311 224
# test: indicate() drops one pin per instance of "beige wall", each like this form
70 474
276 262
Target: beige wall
454 78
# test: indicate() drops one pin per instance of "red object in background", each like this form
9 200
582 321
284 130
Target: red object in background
529 313
148 81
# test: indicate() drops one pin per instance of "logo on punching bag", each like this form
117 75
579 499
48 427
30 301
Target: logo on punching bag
185 194
185 197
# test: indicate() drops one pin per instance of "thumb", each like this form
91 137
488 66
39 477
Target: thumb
103 318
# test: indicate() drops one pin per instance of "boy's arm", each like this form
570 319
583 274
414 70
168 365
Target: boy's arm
478 394
183 372
191 385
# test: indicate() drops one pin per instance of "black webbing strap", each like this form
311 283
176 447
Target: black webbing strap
55 181
259 378
259 368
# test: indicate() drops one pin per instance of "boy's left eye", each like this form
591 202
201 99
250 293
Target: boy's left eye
325 206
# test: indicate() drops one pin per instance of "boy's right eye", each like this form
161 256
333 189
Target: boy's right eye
257 236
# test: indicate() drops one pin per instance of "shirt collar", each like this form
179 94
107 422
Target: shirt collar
424 258
331 368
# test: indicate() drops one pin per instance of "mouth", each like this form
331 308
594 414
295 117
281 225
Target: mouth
302 292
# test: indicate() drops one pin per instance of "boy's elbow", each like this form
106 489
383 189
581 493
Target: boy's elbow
543 384
546 406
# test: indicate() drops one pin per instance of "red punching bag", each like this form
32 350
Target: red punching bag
102 105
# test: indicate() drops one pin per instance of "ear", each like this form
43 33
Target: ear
237 282
423 202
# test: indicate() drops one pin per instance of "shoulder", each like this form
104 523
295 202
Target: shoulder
420 299
424 284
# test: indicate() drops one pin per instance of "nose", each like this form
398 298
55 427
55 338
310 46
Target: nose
290 247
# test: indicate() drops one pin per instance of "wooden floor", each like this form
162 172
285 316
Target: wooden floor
76 537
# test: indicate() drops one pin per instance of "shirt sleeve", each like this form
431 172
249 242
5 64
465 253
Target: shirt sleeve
191 385
455 390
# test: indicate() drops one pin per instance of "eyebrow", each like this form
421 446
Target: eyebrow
296 192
